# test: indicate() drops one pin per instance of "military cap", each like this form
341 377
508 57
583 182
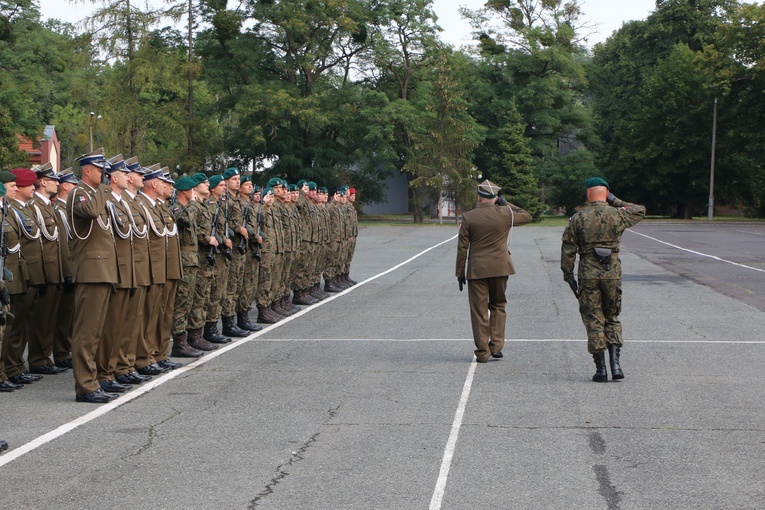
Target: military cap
293 187
134 166
45 171
24 177
311 185
152 172
215 180
2 190
67 176
7 177
230 172
284 183
95 158
117 164
166 175
322 189
199 178
352 191
595 181
344 187
274 182
488 189
256 188
185 183
268 190
246 178
332 191
301 182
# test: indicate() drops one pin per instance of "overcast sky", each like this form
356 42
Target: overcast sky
605 15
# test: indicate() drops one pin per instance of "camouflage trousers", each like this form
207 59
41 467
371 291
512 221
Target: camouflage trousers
184 299
284 283
303 267
264 295
234 285
600 302
334 259
218 288
249 289
350 249
201 300
322 258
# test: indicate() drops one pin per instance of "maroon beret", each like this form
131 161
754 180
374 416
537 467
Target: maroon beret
24 176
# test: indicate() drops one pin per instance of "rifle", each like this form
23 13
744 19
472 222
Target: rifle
256 252
227 230
240 246
213 249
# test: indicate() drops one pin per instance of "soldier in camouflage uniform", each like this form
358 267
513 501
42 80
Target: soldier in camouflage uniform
325 236
252 259
234 211
280 237
353 225
204 211
185 218
270 236
337 234
222 258
304 267
594 233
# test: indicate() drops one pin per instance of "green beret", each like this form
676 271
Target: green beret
274 182
293 187
311 185
199 178
284 183
185 183
323 189
595 181
246 178
268 190
230 172
7 177
215 180
2 190
301 182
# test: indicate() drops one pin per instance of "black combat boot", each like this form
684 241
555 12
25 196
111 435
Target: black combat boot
243 321
616 369
347 278
600 367
302 297
331 286
288 305
266 316
230 328
182 349
196 341
316 292
212 334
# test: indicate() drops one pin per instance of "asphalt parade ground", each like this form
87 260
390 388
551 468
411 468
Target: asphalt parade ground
371 400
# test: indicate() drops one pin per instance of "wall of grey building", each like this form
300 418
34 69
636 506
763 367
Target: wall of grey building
396 197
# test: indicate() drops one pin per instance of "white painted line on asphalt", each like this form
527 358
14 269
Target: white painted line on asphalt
698 252
15 453
451 443
509 340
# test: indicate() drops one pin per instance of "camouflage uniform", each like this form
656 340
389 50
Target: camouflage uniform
235 210
600 292
309 237
325 241
251 264
220 275
203 213
271 233
337 235
188 238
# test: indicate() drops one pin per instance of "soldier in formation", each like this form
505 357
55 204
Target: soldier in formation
594 233
114 273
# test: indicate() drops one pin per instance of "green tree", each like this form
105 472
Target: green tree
441 166
514 170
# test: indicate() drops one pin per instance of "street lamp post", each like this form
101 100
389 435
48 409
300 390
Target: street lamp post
710 211
93 120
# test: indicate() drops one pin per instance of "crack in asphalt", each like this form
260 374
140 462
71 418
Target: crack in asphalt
282 470
152 433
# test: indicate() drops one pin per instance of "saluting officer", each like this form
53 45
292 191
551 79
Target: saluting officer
95 273
483 245
62 337
594 233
